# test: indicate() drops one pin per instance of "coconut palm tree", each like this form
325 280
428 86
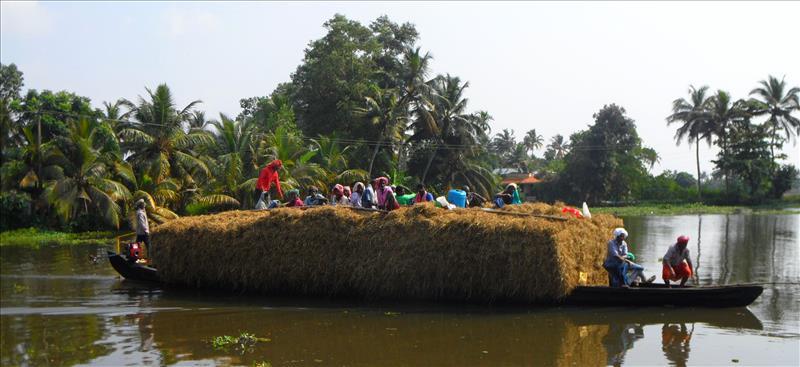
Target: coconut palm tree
299 170
233 153
88 182
503 144
160 146
695 122
385 112
723 113
532 141
332 157
558 146
443 120
778 103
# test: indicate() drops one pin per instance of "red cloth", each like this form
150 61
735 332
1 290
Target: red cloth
575 212
269 175
296 202
681 271
421 198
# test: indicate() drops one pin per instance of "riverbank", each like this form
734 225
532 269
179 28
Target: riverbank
37 237
685 209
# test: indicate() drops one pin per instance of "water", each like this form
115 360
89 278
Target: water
58 308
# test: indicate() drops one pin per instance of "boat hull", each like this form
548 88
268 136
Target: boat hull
132 271
660 295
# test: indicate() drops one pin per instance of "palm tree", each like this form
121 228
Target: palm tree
233 151
532 141
558 146
504 144
779 104
696 126
443 120
88 182
723 113
197 121
160 146
298 168
333 159
385 112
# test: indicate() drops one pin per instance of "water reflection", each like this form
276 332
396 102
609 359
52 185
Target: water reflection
57 308
675 342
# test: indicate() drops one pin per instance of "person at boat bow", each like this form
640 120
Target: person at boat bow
142 225
616 263
676 264
268 177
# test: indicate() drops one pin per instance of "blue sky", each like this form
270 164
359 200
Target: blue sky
541 65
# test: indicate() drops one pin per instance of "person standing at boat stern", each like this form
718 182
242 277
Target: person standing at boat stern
677 264
616 263
268 177
142 226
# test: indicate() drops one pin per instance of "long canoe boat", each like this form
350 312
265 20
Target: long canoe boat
644 295
738 295
131 270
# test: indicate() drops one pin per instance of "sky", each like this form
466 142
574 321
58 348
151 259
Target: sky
532 65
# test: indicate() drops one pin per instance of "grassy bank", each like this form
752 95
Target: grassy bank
683 209
37 237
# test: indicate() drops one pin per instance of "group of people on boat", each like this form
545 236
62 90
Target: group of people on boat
376 194
624 272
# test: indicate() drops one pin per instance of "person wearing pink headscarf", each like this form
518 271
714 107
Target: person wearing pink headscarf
386 200
338 197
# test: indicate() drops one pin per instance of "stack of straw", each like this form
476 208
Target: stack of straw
420 252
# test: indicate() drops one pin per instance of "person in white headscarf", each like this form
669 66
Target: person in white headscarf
616 262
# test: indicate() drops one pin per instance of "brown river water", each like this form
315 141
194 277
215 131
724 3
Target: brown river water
58 308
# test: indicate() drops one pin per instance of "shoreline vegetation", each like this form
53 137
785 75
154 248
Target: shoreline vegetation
38 236
697 208
34 237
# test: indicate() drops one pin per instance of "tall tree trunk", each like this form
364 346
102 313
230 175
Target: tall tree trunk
428 165
697 155
772 149
374 155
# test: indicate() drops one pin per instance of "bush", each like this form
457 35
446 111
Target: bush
15 210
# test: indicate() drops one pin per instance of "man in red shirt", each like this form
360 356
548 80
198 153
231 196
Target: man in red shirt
269 176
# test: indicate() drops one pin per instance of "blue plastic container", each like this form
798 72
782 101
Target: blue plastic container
457 198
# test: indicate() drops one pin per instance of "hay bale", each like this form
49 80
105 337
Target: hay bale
420 252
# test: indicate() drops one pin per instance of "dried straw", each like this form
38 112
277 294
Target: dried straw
420 252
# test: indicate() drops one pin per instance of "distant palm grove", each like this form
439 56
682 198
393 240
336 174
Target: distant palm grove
361 104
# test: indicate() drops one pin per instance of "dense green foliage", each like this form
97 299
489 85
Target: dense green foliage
361 104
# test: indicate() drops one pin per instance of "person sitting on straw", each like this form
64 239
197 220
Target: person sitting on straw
507 196
676 264
267 177
314 197
386 200
473 198
355 196
294 198
338 197
616 263
423 195
368 199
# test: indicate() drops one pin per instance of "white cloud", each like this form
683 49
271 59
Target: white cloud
24 18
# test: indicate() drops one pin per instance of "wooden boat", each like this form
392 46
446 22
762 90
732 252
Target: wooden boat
739 295
131 270
644 295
